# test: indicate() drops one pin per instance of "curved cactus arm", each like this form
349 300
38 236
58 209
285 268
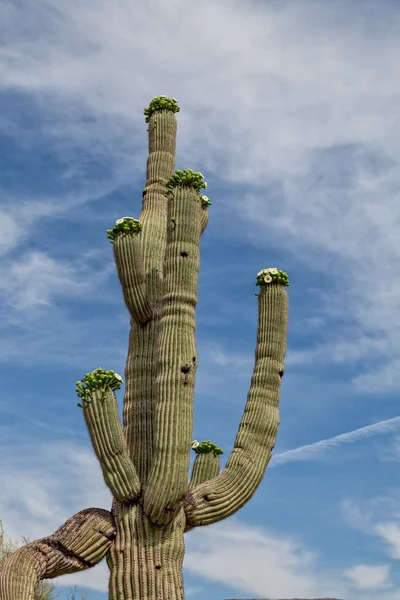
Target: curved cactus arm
214 500
125 237
100 409
81 543
176 351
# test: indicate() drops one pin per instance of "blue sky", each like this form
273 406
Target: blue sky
290 109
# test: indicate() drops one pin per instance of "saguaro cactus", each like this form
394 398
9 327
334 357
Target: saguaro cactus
146 462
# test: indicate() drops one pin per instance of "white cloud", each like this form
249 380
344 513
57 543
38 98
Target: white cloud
31 282
378 380
314 106
366 516
257 562
37 324
316 450
220 357
102 59
390 532
41 491
295 106
367 577
191 591
340 351
10 232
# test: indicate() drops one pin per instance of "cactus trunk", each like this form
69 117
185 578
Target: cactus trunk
145 561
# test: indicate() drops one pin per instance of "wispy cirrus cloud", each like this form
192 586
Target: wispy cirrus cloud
291 110
377 516
317 160
316 451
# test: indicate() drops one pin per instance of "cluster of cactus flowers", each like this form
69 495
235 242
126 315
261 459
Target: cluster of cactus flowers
272 275
146 461
206 447
161 103
125 225
97 380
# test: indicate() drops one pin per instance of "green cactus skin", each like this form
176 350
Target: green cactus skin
81 543
177 362
223 496
140 398
205 467
145 463
104 426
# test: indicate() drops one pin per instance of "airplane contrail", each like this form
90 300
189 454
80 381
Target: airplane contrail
314 450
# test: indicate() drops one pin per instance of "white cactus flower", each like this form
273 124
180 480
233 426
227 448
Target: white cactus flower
118 377
261 272
268 279
195 444
119 221
273 271
205 185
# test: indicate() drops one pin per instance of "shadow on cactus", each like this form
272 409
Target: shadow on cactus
145 461
43 589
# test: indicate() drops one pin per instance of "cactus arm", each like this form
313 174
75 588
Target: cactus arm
81 543
204 220
177 356
140 397
206 466
100 409
214 500
205 203
125 236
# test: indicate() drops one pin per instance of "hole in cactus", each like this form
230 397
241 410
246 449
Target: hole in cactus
186 370
207 498
158 567
184 254
281 374
194 359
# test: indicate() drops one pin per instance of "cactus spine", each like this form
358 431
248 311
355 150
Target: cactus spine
145 462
